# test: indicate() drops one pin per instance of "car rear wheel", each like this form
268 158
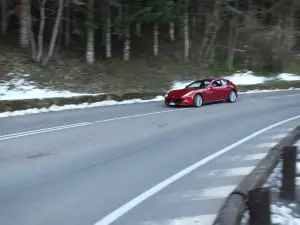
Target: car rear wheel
198 100
232 96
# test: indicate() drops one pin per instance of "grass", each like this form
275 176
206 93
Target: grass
139 75
14 105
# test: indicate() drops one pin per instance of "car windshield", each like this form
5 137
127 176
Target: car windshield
199 84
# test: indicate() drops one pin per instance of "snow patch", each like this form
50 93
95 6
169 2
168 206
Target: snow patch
281 213
20 88
56 108
288 77
246 78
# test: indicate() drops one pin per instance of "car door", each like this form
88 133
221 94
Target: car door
208 93
224 91
216 91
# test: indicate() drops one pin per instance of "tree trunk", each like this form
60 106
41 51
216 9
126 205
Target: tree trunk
137 6
24 19
67 23
103 21
41 32
186 35
55 31
232 41
120 18
31 35
108 33
90 53
172 31
138 29
155 39
4 17
127 44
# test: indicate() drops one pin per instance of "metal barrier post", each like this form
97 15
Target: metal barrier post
259 206
288 189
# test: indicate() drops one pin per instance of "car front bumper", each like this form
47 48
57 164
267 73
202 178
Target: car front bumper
187 101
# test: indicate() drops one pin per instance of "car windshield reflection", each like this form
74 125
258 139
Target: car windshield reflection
199 84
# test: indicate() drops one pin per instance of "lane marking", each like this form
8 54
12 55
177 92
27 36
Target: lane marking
293 95
237 171
138 115
267 145
279 136
116 214
215 192
257 156
50 129
63 127
273 97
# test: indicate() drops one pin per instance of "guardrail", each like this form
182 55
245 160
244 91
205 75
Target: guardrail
239 200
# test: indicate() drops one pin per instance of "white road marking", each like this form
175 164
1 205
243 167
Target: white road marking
139 115
116 214
279 136
238 171
267 145
273 97
215 192
257 156
192 220
50 129
293 95
27 133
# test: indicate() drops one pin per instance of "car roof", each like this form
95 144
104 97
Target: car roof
210 79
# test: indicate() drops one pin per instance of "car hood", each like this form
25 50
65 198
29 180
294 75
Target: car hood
179 93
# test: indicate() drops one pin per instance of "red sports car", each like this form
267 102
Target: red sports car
203 91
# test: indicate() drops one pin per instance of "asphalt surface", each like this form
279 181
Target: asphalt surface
101 158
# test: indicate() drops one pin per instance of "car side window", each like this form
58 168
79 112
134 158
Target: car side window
224 82
217 83
195 85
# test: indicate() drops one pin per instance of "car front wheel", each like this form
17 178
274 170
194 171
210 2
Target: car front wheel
198 100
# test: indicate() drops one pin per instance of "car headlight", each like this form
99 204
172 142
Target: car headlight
187 94
166 95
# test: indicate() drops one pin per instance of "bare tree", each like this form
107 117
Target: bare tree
67 23
55 31
172 31
186 33
24 20
126 51
232 39
90 54
155 39
41 31
108 32
4 16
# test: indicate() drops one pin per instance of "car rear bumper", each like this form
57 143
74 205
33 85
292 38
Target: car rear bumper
179 101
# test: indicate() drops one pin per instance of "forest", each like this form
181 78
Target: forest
251 34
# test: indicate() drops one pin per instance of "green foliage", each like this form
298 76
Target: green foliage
159 11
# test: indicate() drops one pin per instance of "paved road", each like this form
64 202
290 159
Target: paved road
76 167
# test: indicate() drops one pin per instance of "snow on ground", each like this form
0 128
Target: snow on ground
246 78
281 213
288 77
20 88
